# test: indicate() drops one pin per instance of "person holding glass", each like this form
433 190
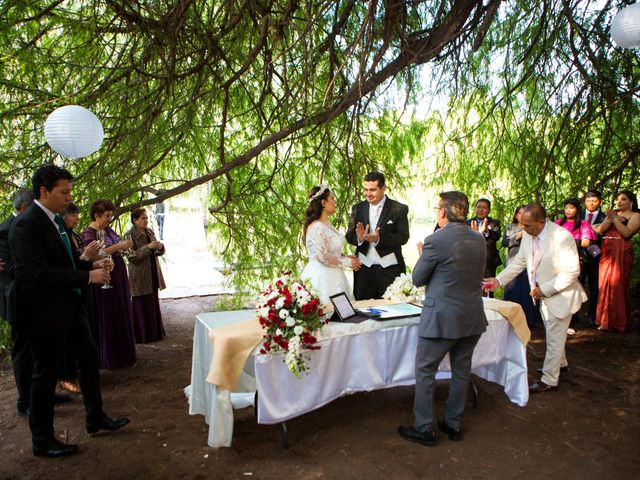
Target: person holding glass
68 368
145 277
616 261
116 340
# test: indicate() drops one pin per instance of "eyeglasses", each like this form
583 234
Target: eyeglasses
438 208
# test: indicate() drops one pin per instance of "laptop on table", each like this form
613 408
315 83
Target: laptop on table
344 311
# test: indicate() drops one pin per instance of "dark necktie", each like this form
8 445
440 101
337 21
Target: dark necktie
65 238
590 218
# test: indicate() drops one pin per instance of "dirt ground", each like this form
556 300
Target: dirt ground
589 428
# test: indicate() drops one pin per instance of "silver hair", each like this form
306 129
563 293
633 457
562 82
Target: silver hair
22 197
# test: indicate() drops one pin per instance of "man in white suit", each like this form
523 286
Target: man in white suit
549 254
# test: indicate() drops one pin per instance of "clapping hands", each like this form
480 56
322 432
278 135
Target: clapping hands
92 251
363 234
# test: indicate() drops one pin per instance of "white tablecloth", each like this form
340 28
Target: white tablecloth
353 358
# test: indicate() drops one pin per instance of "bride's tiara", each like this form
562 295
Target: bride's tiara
319 193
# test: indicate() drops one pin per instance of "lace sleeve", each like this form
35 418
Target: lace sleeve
319 245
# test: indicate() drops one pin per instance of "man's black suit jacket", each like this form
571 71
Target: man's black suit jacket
44 274
599 219
7 284
492 236
394 228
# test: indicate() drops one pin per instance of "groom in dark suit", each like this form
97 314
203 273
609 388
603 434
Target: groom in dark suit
451 265
49 278
378 228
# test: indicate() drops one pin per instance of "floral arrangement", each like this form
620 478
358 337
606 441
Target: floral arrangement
403 289
291 315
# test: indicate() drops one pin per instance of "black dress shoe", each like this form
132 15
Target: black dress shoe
61 398
541 387
24 411
53 448
454 434
106 423
562 370
409 433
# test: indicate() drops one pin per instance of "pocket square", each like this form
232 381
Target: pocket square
390 221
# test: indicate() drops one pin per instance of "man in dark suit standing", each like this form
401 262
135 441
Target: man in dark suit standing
378 228
591 269
451 265
490 228
49 277
20 354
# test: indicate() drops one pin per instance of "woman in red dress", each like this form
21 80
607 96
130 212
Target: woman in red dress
616 261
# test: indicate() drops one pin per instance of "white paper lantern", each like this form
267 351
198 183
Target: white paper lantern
625 27
73 131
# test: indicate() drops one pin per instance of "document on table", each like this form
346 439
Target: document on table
395 310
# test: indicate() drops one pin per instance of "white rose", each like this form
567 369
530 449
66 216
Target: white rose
279 303
298 330
278 331
283 314
290 322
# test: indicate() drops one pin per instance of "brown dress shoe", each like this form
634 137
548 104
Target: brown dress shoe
541 387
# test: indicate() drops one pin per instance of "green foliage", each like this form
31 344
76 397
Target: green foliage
259 101
5 338
544 110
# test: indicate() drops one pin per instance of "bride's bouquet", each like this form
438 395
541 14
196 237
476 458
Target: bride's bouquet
291 315
403 289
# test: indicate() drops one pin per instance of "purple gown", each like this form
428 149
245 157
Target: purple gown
116 340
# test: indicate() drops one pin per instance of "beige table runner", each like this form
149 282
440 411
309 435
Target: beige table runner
232 344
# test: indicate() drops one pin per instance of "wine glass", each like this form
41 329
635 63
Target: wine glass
100 238
128 238
107 265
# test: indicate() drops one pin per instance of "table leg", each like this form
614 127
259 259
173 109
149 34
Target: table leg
285 436
285 433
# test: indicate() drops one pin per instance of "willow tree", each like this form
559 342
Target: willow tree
260 99
545 109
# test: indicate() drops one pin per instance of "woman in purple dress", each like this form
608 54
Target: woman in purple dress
116 340
146 278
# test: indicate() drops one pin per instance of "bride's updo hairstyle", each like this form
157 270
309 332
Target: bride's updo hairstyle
314 210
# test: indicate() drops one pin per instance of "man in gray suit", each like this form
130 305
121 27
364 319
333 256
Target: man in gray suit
451 265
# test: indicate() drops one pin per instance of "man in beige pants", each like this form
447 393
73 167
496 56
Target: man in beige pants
549 254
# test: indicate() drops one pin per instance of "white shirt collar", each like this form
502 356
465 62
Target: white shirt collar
595 214
544 231
380 204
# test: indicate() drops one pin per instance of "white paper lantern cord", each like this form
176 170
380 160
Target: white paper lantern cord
625 27
73 131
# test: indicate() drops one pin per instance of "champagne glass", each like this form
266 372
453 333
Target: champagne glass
100 238
107 266
128 238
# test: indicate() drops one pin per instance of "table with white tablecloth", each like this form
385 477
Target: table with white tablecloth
353 358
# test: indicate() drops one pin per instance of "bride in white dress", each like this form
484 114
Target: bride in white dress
324 245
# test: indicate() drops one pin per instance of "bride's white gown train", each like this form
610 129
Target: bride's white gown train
326 263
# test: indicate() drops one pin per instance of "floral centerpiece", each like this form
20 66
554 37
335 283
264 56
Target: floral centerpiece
403 289
291 315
